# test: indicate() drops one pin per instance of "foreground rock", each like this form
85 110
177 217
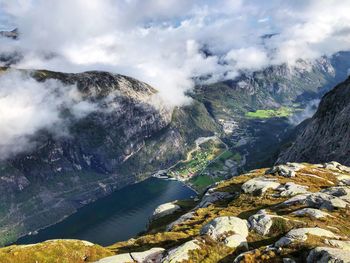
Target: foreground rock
285 170
301 235
327 255
165 209
181 253
261 222
260 185
318 200
315 213
153 255
231 230
211 197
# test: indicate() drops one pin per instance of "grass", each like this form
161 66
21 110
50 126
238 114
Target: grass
60 251
271 113
201 181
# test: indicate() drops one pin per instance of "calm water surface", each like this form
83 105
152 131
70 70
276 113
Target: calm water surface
119 216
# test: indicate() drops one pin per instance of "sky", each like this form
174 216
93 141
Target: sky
169 43
166 43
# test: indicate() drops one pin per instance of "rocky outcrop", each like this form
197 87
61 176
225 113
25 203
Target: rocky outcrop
260 222
181 253
301 235
165 209
315 213
260 185
326 254
232 231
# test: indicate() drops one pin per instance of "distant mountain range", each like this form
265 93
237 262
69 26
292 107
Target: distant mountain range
117 146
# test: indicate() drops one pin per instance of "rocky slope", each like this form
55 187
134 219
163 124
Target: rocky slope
326 135
288 213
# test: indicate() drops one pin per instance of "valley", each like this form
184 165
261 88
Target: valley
131 139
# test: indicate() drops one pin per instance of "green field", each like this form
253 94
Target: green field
264 114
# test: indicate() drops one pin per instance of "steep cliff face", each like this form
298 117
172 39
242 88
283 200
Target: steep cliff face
326 136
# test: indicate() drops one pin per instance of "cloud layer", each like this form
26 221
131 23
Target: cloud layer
28 106
168 43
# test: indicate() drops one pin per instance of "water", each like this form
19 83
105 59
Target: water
117 217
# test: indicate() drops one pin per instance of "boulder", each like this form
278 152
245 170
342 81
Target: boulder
343 192
260 185
328 255
312 212
165 209
335 166
227 229
285 170
235 241
292 189
300 235
343 179
211 197
261 222
338 244
122 258
317 200
181 253
181 220
325 201
153 255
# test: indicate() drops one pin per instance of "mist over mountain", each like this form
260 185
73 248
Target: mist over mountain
96 96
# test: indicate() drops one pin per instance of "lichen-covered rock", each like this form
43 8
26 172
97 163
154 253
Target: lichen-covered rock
260 185
285 170
317 200
212 197
300 235
328 255
338 244
181 220
153 255
122 258
325 201
261 222
235 241
343 192
336 166
181 253
227 229
312 212
165 209
292 189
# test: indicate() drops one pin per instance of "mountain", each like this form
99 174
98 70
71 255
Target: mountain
133 135
288 213
326 135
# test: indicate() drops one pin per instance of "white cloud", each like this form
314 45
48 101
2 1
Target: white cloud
164 43
161 42
27 106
